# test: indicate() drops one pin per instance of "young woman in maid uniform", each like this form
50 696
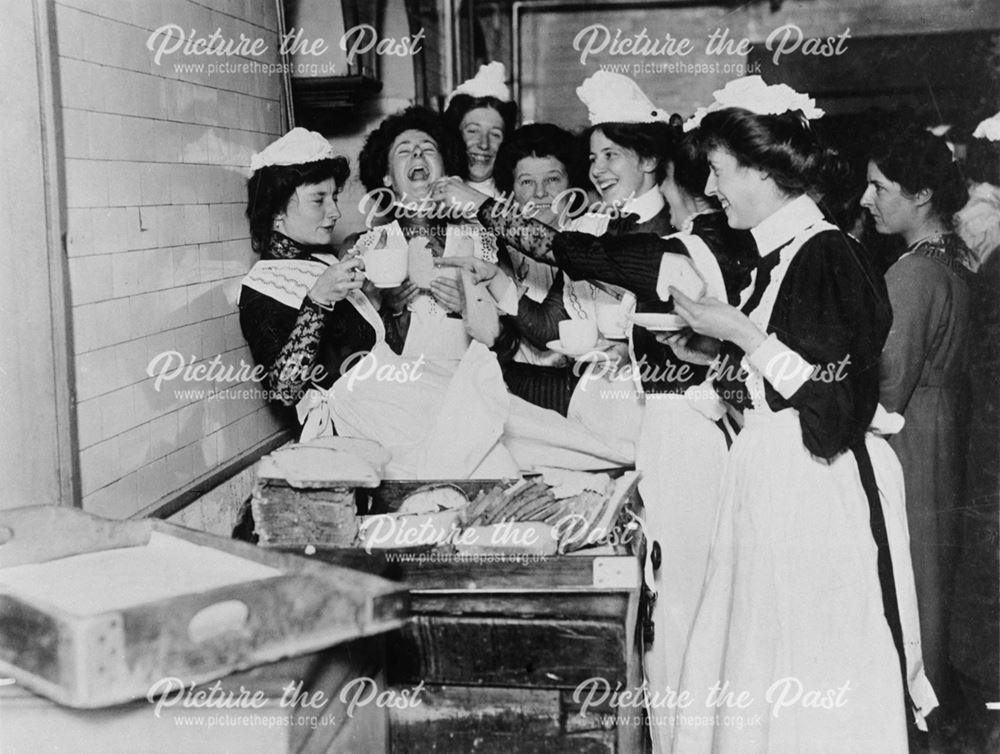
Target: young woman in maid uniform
399 163
481 112
680 449
303 312
806 637
628 142
536 165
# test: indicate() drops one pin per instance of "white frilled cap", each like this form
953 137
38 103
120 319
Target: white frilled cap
751 93
615 98
988 129
490 81
297 147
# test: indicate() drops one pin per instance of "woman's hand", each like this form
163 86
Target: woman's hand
481 270
337 281
717 319
691 347
398 298
448 294
455 194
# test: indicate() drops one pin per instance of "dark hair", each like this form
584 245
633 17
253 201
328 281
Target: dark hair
271 187
374 158
690 165
916 160
537 140
648 140
782 146
461 104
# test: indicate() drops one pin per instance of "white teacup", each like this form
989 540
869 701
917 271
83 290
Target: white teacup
387 267
578 335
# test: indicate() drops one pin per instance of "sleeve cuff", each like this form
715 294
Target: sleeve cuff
311 302
783 367
505 293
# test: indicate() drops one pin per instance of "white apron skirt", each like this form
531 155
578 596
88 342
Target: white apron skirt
681 454
791 616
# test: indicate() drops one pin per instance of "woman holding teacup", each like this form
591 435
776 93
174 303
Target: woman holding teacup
808 605
400 161
628 141
537 166
303 312
680 448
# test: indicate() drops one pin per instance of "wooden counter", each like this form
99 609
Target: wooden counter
501 646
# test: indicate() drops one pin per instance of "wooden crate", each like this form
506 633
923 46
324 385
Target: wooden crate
103 658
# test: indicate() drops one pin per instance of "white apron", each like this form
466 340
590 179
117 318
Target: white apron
682 454
818 674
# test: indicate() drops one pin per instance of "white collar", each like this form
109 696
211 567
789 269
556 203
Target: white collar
688 225
782 226
646 205
488 187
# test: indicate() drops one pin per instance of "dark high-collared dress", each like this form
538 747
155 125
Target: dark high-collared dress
801 592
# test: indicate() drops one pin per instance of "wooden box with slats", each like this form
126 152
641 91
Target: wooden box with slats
93 612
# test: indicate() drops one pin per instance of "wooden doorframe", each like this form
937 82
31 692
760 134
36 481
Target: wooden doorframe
39 460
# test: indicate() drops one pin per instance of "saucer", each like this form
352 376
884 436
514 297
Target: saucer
593 353
657 322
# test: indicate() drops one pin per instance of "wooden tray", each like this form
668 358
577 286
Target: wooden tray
102 657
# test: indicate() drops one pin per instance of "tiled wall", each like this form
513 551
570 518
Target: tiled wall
157 239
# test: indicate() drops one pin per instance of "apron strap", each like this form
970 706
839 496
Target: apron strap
887 581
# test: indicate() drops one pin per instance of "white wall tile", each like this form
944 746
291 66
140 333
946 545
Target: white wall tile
89 425
86 184
157 239
99 465
117 413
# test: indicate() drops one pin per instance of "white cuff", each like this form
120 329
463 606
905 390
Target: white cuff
885 423
783 367
504 292
678 271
